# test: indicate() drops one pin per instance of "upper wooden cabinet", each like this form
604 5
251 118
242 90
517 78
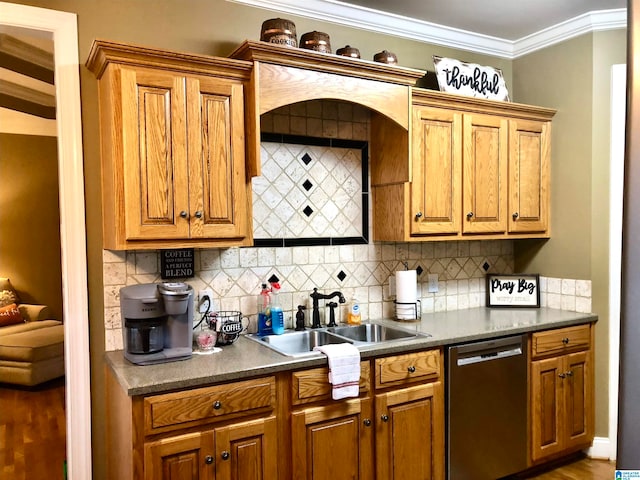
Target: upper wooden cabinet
479 169
173 148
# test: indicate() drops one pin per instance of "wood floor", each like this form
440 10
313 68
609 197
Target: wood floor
32 432
581 468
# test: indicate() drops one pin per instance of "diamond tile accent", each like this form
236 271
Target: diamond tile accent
311 191
419 270
341 276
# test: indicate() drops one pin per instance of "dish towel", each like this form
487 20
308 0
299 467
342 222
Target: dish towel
344 369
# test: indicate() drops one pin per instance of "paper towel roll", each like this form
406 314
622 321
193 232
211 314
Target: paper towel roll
406 286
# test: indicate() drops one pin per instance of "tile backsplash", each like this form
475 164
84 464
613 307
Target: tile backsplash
363 271
235 276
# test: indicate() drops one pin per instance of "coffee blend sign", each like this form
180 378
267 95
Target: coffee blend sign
470 79
176 263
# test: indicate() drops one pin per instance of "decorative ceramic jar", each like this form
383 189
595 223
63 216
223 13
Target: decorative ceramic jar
348 51
318 41
386 57
280 31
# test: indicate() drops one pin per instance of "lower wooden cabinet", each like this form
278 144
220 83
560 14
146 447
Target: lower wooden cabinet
242 451
410 433
333 441
287 426
562 410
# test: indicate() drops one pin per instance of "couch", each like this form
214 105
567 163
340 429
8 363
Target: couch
31 341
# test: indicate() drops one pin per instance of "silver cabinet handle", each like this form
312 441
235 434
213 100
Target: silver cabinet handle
217 405
565 340
225 455
411 369
418 215
184 214
470 215
208 459
562 375
385 418
198 214
367 422
515 215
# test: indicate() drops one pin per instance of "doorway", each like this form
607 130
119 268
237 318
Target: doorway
63 28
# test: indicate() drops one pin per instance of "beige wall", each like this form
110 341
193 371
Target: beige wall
579 246
30 219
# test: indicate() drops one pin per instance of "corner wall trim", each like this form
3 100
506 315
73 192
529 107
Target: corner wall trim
600 449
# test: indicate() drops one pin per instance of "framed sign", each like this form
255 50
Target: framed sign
520 290
470 79
176 263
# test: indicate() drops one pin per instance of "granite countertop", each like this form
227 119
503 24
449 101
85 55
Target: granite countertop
246 358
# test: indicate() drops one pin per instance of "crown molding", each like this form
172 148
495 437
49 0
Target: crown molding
381 22
589 22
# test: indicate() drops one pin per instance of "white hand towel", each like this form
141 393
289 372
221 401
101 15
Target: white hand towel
344 369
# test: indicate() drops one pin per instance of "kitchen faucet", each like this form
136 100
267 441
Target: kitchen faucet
315 314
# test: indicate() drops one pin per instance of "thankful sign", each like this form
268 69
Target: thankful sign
513 291
470 79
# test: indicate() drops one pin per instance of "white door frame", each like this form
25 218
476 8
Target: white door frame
63 27
616 189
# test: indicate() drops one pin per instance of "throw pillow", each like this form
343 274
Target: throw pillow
8 294
10 315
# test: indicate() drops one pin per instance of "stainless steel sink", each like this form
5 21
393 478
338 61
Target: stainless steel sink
371 333
296 344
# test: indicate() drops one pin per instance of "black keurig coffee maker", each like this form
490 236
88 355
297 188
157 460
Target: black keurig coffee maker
158 322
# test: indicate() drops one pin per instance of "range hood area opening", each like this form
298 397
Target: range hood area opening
314 182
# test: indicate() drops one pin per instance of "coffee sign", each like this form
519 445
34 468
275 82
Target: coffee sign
470 79
176 263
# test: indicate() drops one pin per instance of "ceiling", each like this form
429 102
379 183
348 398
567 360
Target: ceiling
505 19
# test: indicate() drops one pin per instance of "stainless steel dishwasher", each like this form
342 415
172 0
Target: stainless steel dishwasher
487 409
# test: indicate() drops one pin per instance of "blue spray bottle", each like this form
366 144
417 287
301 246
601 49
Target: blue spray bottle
277 315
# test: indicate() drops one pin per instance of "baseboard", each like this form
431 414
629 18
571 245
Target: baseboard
601 449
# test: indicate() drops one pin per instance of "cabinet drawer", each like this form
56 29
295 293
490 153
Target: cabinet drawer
554 342
313 385
401 369
180 409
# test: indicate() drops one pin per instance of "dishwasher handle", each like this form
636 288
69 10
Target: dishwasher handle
487 357
488 351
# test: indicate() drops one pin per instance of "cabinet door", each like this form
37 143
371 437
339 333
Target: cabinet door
547 405
156 203
579 402
485 174
529 154
247 451
436 171
410 433
217 183
185 457
333 442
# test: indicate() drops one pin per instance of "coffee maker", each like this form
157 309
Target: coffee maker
158 322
